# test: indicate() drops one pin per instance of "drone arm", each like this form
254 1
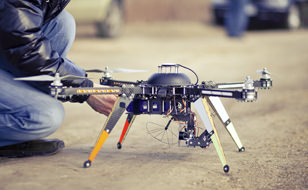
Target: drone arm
243 95
262 83
89 91
238 85
110 82
222 93
117 111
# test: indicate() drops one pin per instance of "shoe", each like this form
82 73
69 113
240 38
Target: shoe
32 148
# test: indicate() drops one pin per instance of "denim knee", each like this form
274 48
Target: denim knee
67 26
40 119
30 123
61 32
53 116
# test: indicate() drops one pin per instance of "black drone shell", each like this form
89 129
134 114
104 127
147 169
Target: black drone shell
169 79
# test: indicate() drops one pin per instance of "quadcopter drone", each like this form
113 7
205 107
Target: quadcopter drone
171 93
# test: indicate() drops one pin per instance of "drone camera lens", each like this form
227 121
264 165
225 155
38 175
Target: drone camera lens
183 136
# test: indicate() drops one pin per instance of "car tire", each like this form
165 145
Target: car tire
293 19
215 19
111 26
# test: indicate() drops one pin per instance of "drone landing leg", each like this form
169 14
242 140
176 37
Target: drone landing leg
204 112
218 107
114 116
129 121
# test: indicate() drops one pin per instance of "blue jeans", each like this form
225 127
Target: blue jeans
25 112
236 19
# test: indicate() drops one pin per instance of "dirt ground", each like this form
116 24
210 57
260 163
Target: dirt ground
273 129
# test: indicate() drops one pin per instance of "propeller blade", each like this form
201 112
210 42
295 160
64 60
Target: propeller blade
264 71
48 78
120 70
36 78
95 71
71 77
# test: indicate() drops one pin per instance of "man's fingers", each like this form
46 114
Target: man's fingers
102 103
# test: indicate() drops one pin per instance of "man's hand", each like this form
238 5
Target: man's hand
102 103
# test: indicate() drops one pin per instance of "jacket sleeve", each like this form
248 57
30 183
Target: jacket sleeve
26 47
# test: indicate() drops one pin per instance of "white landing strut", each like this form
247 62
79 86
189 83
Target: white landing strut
220 110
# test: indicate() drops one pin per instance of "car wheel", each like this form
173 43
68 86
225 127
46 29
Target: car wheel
111 26
216 19
293 19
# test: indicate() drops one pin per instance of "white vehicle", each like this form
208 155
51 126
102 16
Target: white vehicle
107 15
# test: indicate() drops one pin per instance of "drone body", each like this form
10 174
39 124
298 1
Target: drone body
171 93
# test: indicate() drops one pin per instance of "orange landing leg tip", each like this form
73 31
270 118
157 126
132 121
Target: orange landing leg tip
87 164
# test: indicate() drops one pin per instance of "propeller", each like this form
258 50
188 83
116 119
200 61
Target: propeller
265 73
49 78
118 70
56 80
107 72
36 78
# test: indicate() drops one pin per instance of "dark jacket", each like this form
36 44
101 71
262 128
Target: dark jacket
23 43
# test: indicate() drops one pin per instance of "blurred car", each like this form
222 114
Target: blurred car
286 13
107 15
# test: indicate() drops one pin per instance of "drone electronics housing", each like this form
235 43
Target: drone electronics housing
168 75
